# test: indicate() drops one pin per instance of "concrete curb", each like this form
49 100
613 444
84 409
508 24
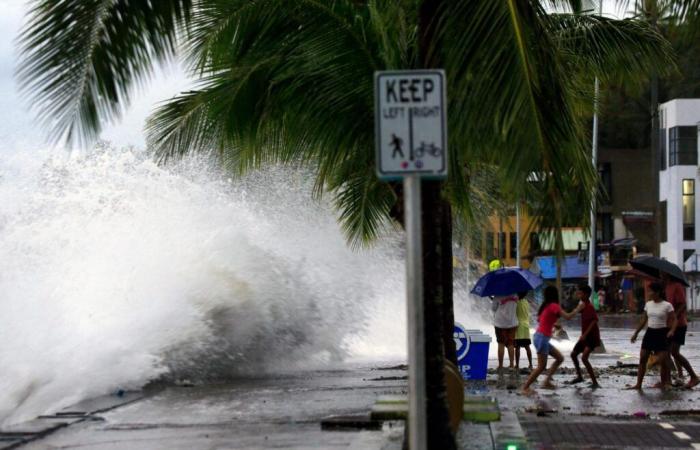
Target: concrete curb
508 432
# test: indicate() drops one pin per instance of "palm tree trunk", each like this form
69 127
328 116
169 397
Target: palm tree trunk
448 317
437 259
437 275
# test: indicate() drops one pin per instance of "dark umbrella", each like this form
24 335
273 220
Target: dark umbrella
655 266
505 282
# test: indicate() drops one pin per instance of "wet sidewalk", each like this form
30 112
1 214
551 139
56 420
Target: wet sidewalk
286 412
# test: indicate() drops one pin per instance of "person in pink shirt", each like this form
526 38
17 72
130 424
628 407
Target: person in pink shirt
547 316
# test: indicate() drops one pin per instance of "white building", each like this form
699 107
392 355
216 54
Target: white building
679 123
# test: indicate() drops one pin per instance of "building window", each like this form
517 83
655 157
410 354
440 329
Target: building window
490 247
663 212
682 143
605 187
476 243
534 243
662 149
605 229
687 253
501 245
513 245
688 210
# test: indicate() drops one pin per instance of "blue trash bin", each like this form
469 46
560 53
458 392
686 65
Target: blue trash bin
472 352
477 359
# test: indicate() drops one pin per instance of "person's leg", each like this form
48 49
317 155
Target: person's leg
675 363
511 357
589 368
510 341
558 359
501 349
683 363
529 356
642 369
574 358
541 364
665 365
517 356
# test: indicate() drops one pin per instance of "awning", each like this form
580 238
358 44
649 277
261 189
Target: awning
546 267
637 217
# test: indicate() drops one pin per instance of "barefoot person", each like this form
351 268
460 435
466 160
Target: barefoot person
657 313
590 335
547 315
522 334
675 295
505 322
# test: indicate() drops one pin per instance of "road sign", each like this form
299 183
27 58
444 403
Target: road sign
411 123
462 341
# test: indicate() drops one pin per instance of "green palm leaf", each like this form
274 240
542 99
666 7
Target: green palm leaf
97 50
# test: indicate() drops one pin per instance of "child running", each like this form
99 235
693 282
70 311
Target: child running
590 335
522 335
657 313
547 315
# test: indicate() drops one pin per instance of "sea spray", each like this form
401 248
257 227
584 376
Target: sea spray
115 271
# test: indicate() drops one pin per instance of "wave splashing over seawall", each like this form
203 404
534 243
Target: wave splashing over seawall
115 272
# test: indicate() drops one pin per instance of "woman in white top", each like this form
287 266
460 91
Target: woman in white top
658 314
506 323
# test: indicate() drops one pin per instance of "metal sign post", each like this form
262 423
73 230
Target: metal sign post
411 141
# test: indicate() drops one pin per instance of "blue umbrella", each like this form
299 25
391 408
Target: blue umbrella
506 282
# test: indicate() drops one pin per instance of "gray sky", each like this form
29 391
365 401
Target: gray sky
17 125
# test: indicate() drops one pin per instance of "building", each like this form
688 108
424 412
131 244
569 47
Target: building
679 121
499 241
678 178
626 206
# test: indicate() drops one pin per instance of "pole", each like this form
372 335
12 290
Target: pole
417 399
517 234
594 157
594 152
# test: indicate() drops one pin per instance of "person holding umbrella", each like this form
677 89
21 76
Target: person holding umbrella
674 281
502 284
505 322
547 315
675 295
657 314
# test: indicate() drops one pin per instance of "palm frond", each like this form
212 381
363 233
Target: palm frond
80 58
511 102
613 50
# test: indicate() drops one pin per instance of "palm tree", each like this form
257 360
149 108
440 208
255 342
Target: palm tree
283 81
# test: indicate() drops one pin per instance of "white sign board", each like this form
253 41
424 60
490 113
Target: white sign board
410 122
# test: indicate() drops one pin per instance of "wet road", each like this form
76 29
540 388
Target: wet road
616 368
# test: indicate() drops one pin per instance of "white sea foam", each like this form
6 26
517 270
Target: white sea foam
115 271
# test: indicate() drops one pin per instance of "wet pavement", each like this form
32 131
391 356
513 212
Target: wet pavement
286 411
615 370
280 412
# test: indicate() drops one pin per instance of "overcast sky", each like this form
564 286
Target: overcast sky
17 128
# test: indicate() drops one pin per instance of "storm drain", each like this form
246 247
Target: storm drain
559 434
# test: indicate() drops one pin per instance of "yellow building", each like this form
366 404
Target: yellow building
499 238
